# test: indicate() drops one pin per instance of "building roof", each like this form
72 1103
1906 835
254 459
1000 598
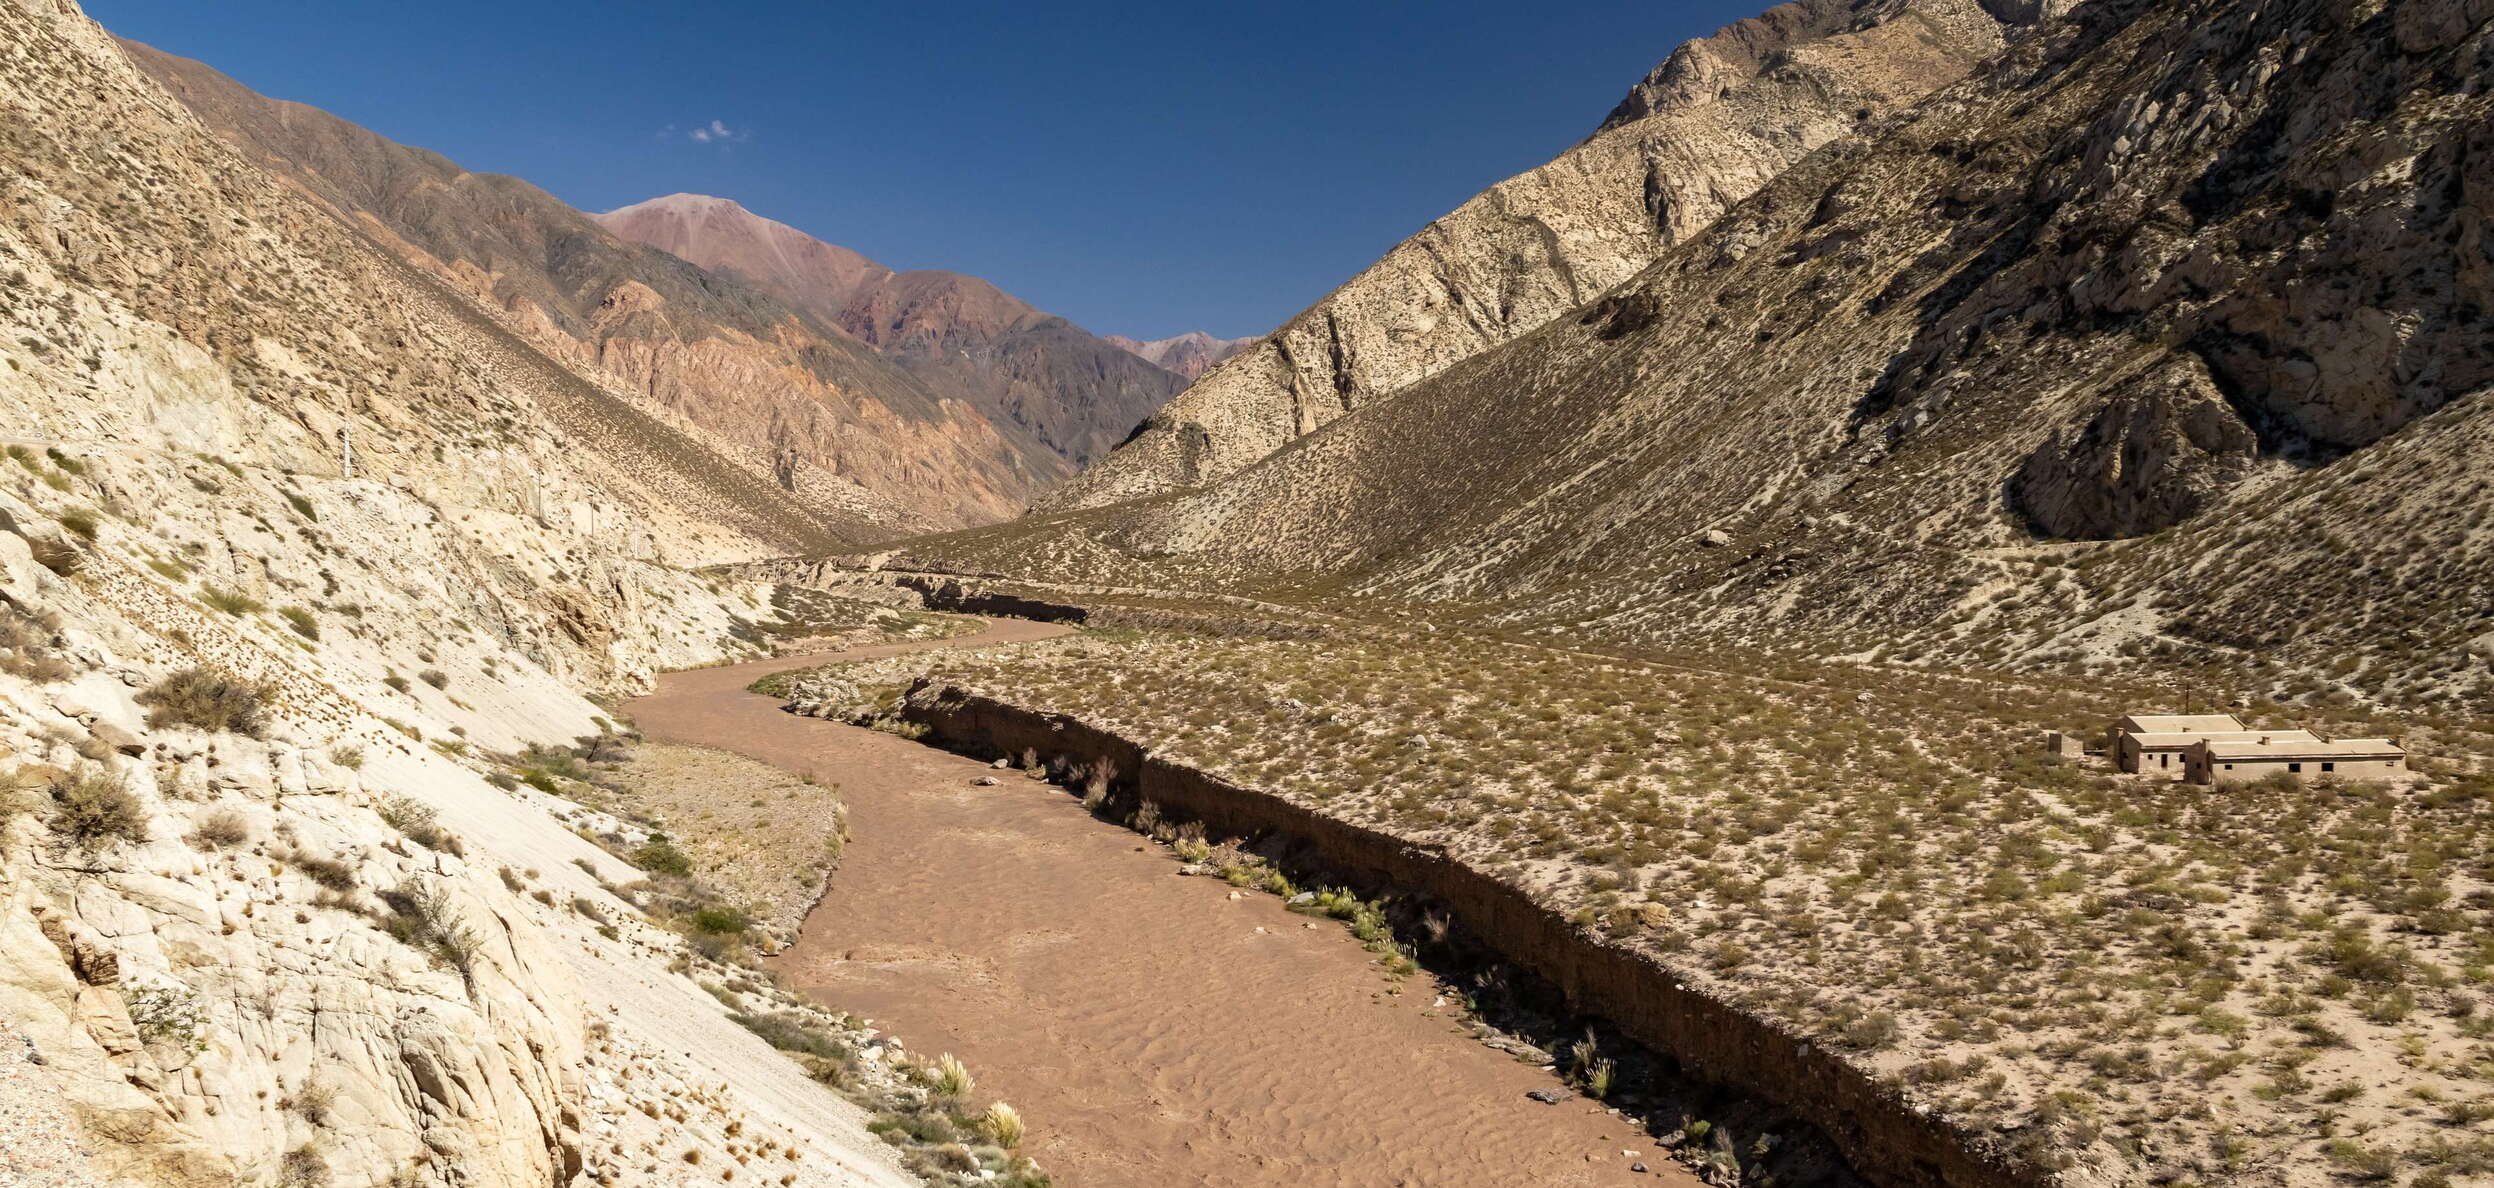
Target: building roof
2188 739
2307 748
2179 723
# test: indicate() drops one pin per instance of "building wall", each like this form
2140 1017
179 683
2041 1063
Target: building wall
2247 770
2131 757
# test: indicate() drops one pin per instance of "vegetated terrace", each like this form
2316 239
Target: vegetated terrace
2169 981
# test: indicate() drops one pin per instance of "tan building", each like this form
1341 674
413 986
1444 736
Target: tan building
2294 753
2160 744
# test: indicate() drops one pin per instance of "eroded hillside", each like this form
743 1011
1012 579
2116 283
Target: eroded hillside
296 549
2162 338
1709 126
782 393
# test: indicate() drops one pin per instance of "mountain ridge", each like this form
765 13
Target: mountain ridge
805 406
2075 326
1190 354
1719 118
1076 394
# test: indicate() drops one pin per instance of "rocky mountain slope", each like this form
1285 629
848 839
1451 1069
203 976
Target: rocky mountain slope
1190 354
1714 122
794 401
1077 395
2163 336
296 547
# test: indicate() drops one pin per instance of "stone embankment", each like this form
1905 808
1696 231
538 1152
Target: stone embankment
1885 1137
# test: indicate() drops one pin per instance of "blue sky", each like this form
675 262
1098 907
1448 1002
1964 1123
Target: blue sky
1140 168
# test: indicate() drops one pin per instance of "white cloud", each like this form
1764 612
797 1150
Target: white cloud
717 131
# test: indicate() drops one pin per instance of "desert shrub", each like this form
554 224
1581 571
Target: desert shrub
303 1167
347 756
789 1031
1002 1125
80 523
948 1077
660 856
420 823
2357 1161
1875 1031
232 602
220 829
302 507
302 620
328 872
314 1101
721 921
421 915
914 1126
435 677
92 806
167 1013
204 699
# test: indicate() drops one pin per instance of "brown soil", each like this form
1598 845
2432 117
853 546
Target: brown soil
1156 1031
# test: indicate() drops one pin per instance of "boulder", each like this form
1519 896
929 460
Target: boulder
117 738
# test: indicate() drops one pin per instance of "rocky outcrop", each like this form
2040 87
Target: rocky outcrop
213 1013
1714 122
2160 450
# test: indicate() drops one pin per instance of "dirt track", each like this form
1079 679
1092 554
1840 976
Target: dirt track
1156 1031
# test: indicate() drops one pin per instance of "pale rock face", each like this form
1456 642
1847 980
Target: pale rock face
200 1011
212 1002
717 232
1718 119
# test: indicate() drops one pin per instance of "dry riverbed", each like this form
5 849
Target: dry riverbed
1156 1030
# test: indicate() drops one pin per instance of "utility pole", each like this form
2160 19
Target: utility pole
346 454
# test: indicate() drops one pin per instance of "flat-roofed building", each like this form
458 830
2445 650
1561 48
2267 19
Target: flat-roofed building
2294 753
2175 723
2153 744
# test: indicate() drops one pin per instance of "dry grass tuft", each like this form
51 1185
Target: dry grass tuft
207 700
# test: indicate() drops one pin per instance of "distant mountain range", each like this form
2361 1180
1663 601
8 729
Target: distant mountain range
1190 354
907 400
1076 394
